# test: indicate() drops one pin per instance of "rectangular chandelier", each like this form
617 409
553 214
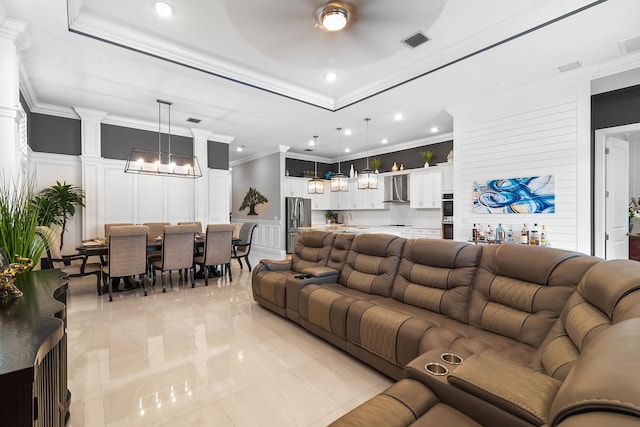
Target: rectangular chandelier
162 163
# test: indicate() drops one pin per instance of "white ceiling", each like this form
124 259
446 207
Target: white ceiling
254 70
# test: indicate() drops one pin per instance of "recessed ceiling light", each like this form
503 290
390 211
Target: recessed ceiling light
384 141
398 116
312 142
163 9
434 129
347 150
347 132
239 148
331 77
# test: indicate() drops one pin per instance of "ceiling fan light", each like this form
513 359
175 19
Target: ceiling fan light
334 19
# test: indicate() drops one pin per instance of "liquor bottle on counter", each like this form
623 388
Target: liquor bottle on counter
524 235
500 234
480 232
491 238
474 233
543 237
534 235
510 234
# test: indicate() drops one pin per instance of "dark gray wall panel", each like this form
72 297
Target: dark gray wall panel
217 156
410 158
117 142
51 134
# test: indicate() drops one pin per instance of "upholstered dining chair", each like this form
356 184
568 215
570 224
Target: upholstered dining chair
127 254
242 249
156 229
65 262
217 249
107 227
177 252
198 225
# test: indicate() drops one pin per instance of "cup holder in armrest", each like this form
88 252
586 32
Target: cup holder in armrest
451 358
435 368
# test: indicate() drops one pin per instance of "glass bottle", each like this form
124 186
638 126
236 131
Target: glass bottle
500 234
524 235
491 238
543 237
474 233
534 235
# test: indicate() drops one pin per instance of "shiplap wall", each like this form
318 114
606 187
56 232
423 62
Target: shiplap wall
532 131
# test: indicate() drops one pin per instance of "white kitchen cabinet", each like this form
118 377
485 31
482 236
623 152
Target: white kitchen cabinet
322 202
425 189
295 187
340 200
447 178
421 233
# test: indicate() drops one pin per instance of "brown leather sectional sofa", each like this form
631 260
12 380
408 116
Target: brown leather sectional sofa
543 336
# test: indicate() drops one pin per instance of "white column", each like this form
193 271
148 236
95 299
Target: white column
201 185
92 172
14 37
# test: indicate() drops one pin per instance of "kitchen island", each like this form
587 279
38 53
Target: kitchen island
408 231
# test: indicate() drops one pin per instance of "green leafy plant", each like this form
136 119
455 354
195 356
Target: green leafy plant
308 174
19 213
427 155
251 200
58 205
329 215
376 163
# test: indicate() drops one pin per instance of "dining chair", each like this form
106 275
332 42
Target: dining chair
198 225
127 255
65 262
107 227
217 249
242 249
156 230
177 252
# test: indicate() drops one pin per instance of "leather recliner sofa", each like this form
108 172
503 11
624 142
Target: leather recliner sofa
519 318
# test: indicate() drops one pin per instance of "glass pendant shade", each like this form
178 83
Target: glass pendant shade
367 179
316 186
339 182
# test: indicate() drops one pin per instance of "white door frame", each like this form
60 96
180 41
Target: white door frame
599 203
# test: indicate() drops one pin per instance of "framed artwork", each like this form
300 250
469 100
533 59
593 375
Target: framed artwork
527 195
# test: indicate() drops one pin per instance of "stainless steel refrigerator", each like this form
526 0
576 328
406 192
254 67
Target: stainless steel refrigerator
298 215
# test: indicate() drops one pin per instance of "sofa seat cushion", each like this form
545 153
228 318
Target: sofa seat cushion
326 306
406 403
415 331
270 285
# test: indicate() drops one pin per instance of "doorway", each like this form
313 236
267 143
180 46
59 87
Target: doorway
615 182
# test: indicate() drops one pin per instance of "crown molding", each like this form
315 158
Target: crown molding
17 31
89 114
101 29
223 139
54 110
309 157
268 152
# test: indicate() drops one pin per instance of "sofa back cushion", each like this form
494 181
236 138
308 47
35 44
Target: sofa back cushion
340 250
437 275
519 290
312 250
372 263
607 294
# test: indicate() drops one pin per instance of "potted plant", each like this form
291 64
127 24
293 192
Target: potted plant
19 213
308 174
58 205
427 156
329 216
376 164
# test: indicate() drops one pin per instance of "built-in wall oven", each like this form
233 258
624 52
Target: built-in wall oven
447 216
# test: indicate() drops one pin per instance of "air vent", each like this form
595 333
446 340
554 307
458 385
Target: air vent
193 120
630 46
415 40
308 149
570 66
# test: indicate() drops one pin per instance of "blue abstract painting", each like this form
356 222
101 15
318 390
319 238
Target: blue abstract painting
534 194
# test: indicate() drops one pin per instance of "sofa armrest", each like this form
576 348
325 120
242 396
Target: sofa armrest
508 385
321 272
276 265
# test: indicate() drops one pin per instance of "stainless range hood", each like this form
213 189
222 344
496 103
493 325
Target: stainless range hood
396 188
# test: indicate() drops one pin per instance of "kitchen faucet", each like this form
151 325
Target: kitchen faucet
347 217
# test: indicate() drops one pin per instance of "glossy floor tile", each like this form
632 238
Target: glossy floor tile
208 356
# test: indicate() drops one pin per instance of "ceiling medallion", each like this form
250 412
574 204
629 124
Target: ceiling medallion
335 16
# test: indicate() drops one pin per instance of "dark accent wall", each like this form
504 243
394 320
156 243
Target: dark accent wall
51 134
615 108
410 158
117 142
217 155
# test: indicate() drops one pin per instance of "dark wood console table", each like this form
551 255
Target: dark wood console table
33 352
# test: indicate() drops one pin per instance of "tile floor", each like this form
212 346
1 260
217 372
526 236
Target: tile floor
208 356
